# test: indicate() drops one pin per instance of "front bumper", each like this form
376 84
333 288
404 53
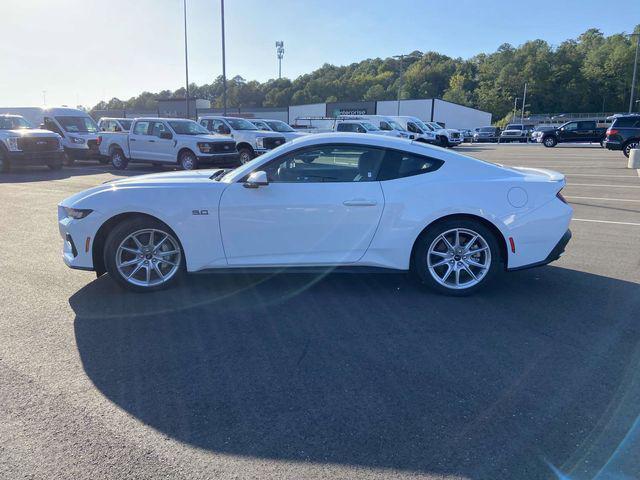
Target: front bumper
34 158
83 153
554 255
224 160
78 237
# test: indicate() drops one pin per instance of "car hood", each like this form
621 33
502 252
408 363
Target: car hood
164 179
208 138
30 132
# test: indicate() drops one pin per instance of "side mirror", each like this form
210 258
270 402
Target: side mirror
256 179
166 135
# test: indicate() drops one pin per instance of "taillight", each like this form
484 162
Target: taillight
99 140
612 131
561 197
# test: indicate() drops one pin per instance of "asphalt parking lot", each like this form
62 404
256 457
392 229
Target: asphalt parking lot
338 376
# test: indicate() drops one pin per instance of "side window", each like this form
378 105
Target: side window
50 125
586 125
399 164
157 128
412 127
141 128
345 127
205 124
385 126
571 126
359 129
217 126
327 163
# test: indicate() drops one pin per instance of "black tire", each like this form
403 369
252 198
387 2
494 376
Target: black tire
119 233
626 149
68 160
245 154
419 264
550 141
118 160
55 164
5 165
188 160
602 142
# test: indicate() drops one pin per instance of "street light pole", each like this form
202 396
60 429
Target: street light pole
186 57
635 68
515 108
224 68
524 102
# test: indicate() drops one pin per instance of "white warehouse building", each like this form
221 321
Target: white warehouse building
447 114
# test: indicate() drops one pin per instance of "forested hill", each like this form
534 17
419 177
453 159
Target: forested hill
591 73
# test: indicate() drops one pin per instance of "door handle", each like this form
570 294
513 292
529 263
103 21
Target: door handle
151 141
359 202
132 139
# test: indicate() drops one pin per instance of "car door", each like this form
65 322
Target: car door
321 206
161 149
569 132
138 141
586 131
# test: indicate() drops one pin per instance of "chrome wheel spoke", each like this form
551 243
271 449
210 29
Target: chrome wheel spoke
472 262
440 263
440 254
473 275
128 263
478 250
449 246
471 242
162 260
170 252
148 268
161 242
137 242
131 250
135 270
158 271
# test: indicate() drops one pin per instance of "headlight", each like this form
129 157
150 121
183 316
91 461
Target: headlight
12 144
77 140
204 147
77 213
260 142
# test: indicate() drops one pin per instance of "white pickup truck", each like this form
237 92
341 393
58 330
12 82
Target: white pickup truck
250 141
21 144
168 141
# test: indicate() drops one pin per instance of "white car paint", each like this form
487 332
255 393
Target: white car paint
387 124
417 128
277 126
354 223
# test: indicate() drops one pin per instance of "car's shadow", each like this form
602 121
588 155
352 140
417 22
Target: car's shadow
38 173
539 370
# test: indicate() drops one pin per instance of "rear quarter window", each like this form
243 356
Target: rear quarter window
628 122
398 164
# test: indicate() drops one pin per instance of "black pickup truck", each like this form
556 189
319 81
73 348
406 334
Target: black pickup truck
579 131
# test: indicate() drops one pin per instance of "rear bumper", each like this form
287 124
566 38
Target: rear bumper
34 158
554 255
609 145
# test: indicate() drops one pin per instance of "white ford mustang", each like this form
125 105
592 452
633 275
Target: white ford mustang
323 201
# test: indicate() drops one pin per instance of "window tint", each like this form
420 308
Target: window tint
141 128
385 126
399 164
346 127
327 163
571 126
157 128
217 126
49 124
412 127
586 125
627 122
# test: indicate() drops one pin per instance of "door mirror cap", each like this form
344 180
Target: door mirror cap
166 135
256 179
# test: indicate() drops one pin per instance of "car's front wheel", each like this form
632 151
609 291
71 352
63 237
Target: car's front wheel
550 142
188 161
246 155
142 254
457 257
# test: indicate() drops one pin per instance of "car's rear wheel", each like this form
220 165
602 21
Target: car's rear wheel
188 161
457 257
118 160
143 254
549 142
628 147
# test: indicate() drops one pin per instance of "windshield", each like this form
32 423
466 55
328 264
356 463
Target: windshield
370 127
487 129
241 124
279 126
126 124
13 123
261 125
78 124
188 127
435 126
423 126
396 125
514 127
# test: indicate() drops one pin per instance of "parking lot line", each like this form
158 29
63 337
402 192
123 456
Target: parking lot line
597 175
603 198
604 221
600 185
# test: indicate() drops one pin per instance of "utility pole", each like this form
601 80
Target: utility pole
224 68
524 103
280 54
635 68
186 58
515 108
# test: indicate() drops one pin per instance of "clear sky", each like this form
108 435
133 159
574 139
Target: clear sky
83 51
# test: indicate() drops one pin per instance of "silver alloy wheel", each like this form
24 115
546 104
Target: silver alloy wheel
116 159
187 161
148 258
548 142
245 156
459 258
